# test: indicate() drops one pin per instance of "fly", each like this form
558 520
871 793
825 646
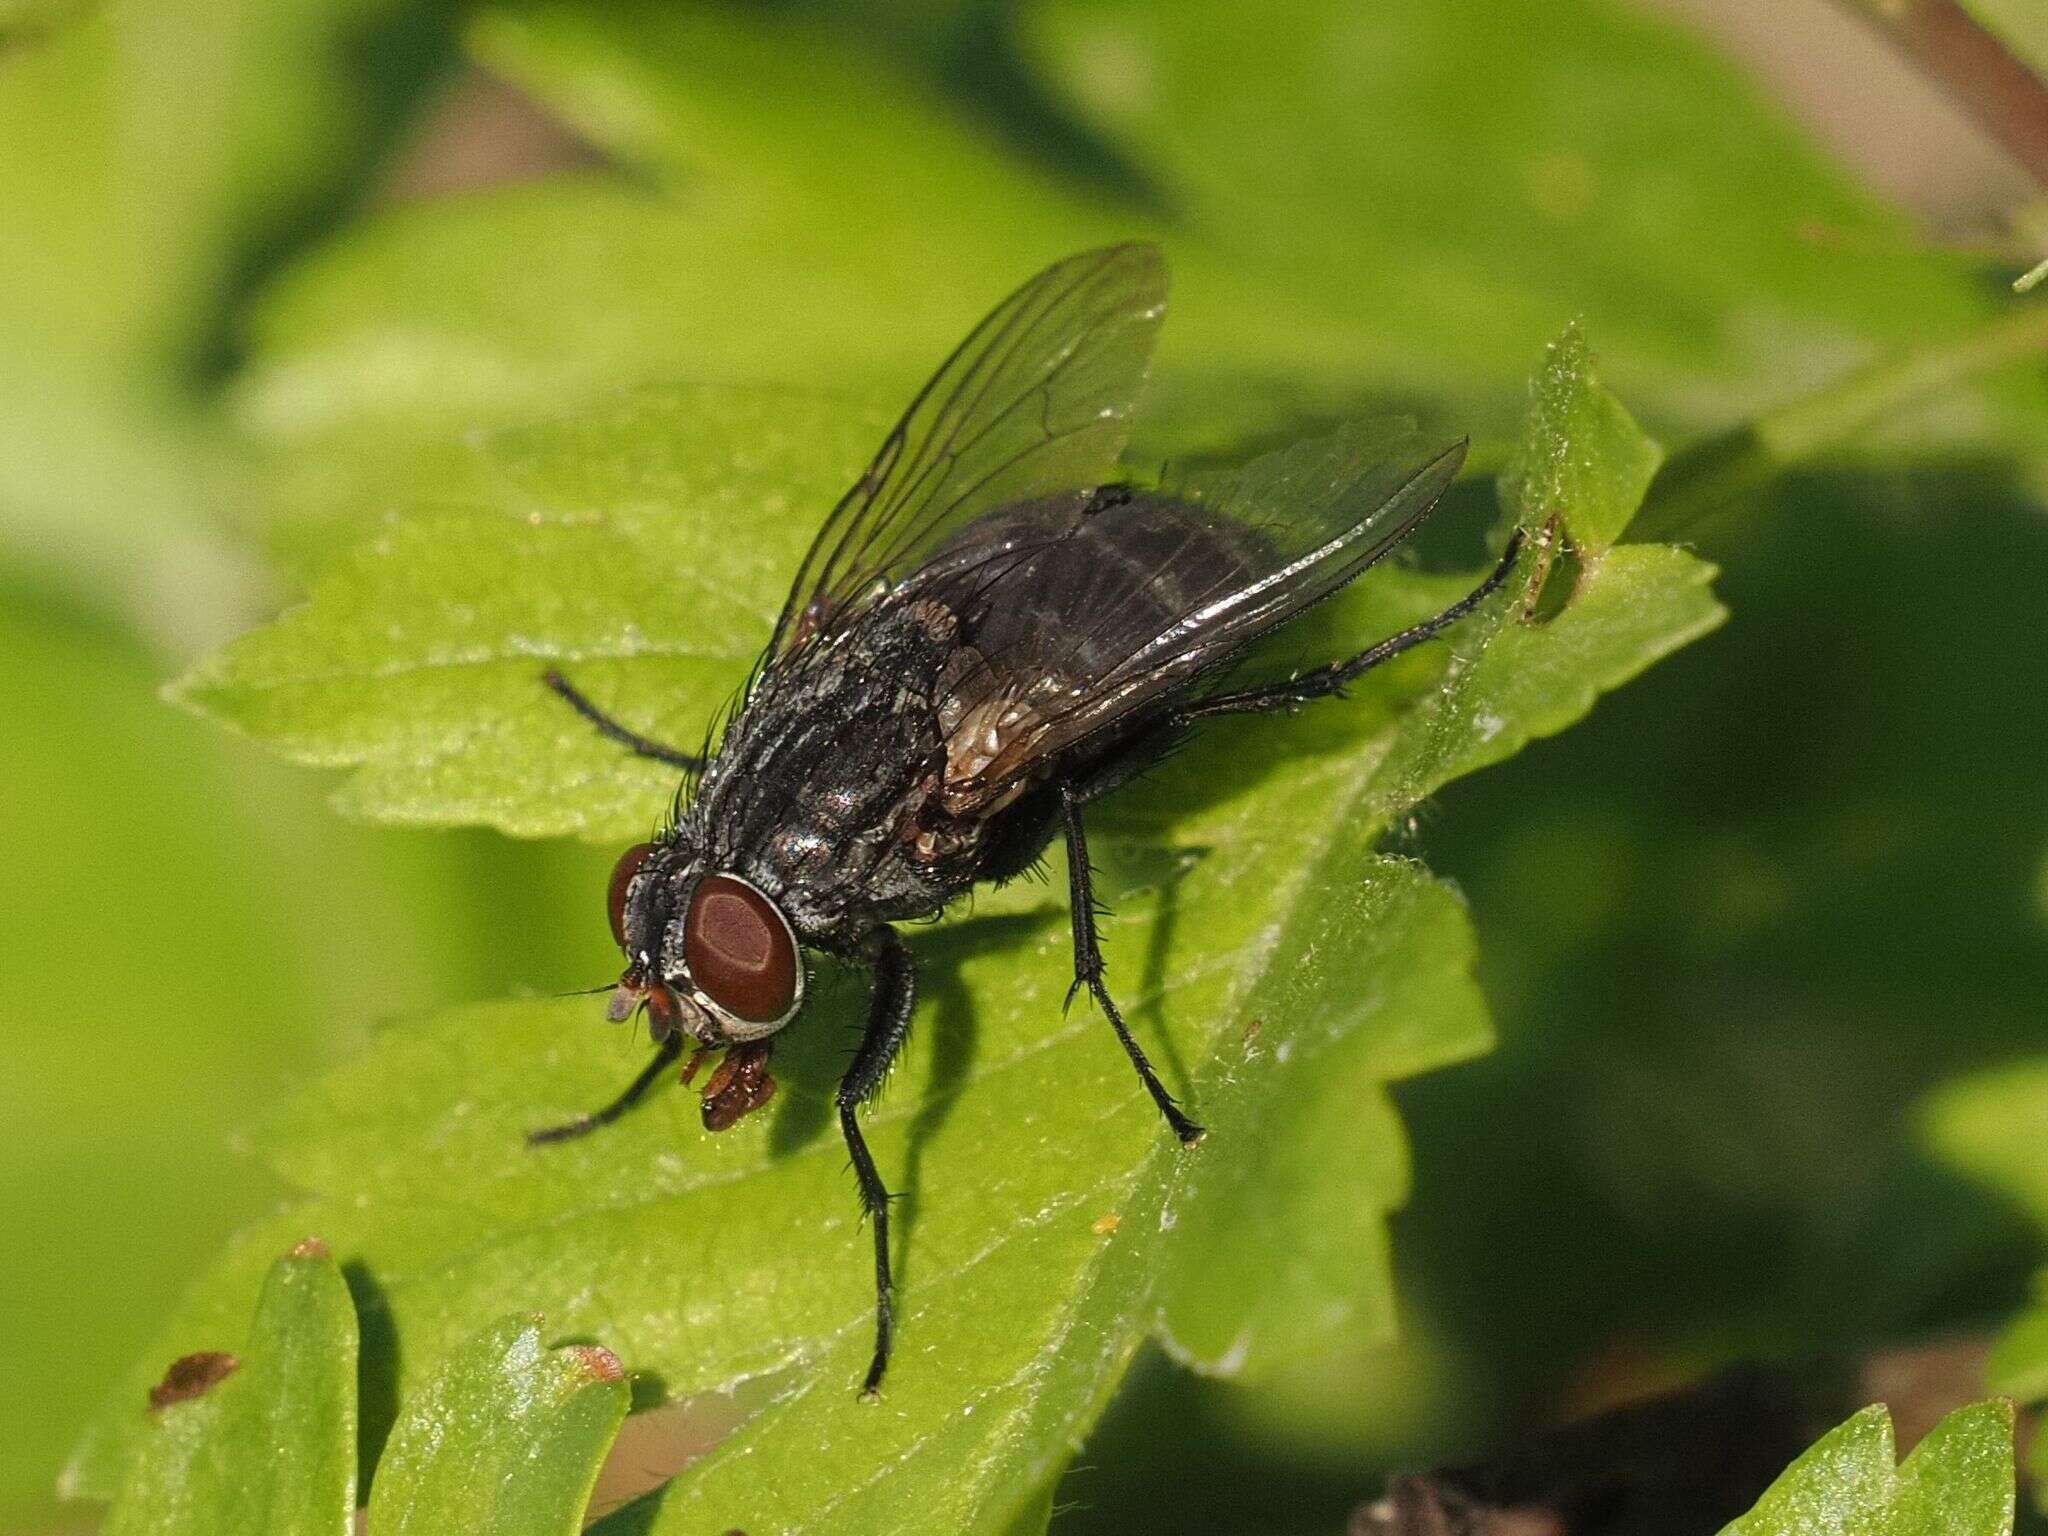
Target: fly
989 634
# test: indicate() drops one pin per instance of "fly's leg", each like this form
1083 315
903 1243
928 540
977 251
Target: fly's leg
1088 963
888 1025
1324 681
611 730
1320 683
583 1125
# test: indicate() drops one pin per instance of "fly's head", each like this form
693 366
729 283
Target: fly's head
707 952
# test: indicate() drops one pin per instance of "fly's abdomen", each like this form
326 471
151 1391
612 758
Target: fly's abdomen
1057 602
1058 590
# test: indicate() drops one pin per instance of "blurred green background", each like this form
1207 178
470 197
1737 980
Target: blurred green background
264 264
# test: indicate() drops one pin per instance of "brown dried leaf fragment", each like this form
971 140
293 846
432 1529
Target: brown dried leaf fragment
192 1376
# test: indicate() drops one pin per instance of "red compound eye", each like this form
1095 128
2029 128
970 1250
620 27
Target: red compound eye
622 877
740 950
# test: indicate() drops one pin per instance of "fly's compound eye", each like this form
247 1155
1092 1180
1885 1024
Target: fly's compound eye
622 881
741 951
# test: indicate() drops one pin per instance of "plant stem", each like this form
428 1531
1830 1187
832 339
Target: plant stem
1708 477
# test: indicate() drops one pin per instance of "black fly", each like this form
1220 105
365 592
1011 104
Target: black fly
987 635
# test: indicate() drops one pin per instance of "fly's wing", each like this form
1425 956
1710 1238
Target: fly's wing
1076 618
1034 403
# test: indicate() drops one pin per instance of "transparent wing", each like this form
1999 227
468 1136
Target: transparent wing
1035 402
1076 618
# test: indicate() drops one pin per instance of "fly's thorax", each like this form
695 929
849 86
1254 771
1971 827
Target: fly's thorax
821 777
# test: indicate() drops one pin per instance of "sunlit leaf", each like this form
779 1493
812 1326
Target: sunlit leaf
1281 968
152 152
507 1437
1448 184
23 22
1957 1482
645 551
1394 202
1582 459
267 1446
1994 1127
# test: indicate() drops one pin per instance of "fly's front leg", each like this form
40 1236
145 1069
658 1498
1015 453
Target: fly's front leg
583 1125
888 1025
611 730
1324 681
1088 964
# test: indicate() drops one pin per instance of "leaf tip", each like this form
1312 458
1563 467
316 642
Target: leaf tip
1568 352
185 690
595 1363
203 691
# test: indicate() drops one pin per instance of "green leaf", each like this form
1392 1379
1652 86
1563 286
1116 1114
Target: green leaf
1268 1260
2018 1365
247 989
507 1437
1994 1127
270 1449
123 236
2037 1467
1444 186
29 21
1957 1482
1280 968
153 155
814 194
1582 458
1387 202
1040 1190
645 550
1641 603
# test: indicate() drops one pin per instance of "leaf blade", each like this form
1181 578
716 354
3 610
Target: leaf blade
1049 1226
271 1448
1959 1479
647 542
508 1436
1582 458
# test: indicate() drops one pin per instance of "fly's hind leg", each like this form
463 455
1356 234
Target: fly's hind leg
1320 683
583 1125
612 730
1088 963
1324 681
